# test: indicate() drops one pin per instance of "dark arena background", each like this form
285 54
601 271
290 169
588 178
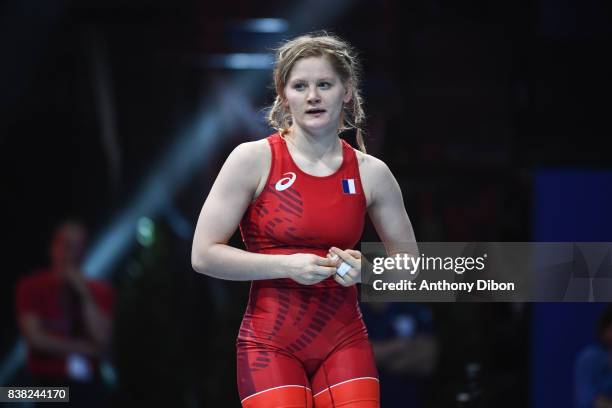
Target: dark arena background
494 116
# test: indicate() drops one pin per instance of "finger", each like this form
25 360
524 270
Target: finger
345 256
346 281
353 253
335 259
339 253
340 280
325 261
353 276
343 269
324 271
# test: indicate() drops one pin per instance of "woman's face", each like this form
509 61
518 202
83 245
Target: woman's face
315 94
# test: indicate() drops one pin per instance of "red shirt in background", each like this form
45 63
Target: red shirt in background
58 308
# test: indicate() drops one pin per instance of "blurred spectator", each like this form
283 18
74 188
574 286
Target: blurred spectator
66 320
405 349
593 369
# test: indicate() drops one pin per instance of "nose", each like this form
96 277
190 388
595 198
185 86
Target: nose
313 95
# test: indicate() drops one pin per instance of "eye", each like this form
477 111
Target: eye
324 85
299 86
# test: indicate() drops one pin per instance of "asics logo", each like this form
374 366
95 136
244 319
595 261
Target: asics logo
285 182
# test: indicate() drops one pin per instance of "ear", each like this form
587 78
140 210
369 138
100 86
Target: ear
284 102
348 93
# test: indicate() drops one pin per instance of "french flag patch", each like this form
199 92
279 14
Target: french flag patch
348 186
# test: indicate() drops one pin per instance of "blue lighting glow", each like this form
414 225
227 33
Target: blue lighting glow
12 362
145 234
193 148
240 61
264 25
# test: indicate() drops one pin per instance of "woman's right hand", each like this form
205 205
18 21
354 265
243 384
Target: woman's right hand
308 269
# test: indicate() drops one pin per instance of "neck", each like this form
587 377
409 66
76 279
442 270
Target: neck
313 145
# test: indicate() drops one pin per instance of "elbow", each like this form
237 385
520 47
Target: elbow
198 262
205 260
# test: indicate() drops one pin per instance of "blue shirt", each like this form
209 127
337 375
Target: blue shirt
592 376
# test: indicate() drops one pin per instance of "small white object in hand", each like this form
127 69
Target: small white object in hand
343 268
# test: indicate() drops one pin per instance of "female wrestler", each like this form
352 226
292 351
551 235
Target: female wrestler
300 197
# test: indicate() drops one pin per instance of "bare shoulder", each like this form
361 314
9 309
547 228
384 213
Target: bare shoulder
372 167
252 161
249 159
375 176
253 153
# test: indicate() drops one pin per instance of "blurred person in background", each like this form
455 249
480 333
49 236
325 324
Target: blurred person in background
66 319
300 197
593 369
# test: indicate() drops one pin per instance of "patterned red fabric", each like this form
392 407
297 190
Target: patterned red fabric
293 334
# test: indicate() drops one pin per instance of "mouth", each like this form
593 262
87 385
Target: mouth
315 111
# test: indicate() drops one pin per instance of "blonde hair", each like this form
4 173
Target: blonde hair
341 56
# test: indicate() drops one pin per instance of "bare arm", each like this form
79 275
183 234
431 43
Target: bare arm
98 324
418 355
387 212
231 194
386 208
41 340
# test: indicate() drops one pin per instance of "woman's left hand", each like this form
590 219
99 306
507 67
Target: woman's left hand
353 259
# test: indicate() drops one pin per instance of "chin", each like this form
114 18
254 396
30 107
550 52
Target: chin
318 129
316 125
